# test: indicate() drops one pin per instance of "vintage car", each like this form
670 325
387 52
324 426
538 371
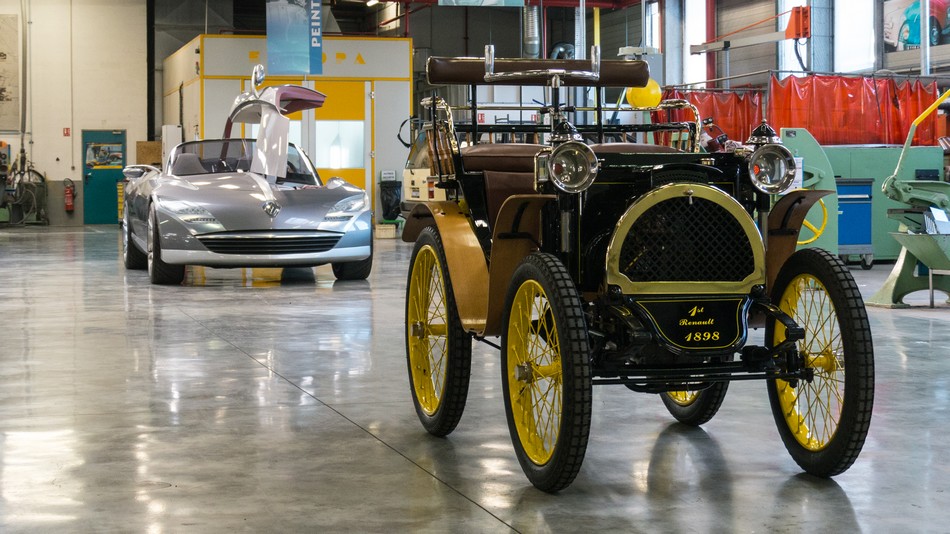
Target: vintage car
235 202
636 264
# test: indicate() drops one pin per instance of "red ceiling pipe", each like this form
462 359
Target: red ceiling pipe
405 15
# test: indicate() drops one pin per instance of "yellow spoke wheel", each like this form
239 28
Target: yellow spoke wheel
684 397
546 372
697 405
534 370
823 418
820 229
438 351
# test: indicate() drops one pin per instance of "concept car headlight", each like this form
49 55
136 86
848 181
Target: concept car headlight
188 212
346 208
772 169
572 167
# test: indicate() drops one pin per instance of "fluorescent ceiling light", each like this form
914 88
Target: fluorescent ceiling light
371 3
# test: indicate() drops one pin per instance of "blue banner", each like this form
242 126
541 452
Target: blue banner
316 37
287 30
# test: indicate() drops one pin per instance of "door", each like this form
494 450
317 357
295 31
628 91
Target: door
103 161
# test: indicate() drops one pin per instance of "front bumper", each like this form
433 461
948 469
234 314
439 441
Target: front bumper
267 247
214 259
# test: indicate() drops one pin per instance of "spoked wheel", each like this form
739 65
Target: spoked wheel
132 257
546 372
695 406
824 418
158 271
439 351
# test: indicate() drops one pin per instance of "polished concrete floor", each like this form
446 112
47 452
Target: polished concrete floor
263 401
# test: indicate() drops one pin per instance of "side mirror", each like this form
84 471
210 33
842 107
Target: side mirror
134 172
257 78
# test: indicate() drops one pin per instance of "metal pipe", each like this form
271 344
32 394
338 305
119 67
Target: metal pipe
530 21
405 14
925 38
580 31
710 36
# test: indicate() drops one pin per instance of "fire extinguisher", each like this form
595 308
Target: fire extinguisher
69 194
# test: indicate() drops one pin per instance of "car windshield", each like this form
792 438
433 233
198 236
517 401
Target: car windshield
234 155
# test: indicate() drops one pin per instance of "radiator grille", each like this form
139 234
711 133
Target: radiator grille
270 244
681 241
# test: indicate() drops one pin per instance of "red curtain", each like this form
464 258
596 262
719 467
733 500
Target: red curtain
845 110
736 113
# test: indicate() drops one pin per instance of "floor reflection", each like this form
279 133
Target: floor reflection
270 400
197 276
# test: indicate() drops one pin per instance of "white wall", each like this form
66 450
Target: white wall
86 69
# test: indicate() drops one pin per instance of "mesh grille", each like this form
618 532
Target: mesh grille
681 242
270 244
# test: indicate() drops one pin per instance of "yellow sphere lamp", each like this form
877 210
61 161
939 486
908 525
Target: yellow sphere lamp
645 97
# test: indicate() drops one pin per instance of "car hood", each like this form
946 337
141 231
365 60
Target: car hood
238 200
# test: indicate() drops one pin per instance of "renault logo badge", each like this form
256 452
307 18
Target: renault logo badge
271 208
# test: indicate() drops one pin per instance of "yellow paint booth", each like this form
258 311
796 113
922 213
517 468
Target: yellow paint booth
368 83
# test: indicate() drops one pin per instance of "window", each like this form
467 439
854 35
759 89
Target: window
854 41
694 33
339 145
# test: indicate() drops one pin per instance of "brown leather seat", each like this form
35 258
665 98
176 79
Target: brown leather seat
508 169
506 157
501 185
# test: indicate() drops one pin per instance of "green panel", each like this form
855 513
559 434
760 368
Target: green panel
840 162
103 159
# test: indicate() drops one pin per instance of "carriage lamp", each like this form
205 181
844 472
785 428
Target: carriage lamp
772 169
572 167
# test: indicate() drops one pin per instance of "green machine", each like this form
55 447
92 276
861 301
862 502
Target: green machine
878 163
923 226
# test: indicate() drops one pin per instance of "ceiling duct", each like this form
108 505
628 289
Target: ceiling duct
531 30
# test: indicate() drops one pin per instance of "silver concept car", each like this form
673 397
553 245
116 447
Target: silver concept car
235 202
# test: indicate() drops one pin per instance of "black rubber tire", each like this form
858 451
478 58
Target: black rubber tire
440 414
521 333
867 263
353 270
159 272
701 408
132 257
838 442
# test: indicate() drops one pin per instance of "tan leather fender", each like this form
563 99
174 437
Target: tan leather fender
468 270
517 233
785 223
